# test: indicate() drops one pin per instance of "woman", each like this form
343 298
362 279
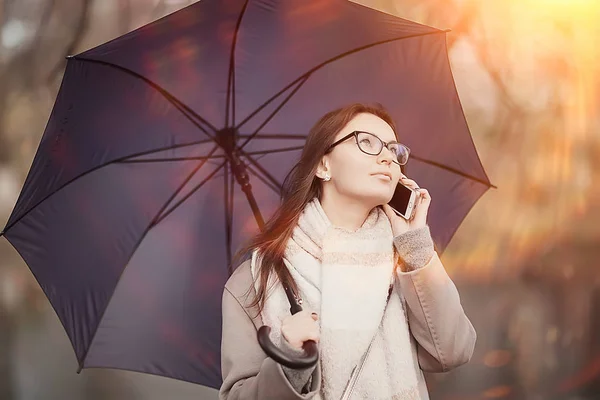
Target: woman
365 276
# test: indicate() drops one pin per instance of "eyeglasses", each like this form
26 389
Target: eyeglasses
371 144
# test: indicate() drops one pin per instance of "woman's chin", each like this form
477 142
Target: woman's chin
376 198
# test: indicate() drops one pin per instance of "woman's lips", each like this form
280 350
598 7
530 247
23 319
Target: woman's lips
383 177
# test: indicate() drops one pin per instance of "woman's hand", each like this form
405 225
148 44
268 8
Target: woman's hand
299 328
419 219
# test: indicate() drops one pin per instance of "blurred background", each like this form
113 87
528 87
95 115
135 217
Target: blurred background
525 260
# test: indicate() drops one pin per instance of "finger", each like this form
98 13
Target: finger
410 183
423 203
424 194
422 209
405 179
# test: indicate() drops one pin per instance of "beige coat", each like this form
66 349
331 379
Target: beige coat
444 336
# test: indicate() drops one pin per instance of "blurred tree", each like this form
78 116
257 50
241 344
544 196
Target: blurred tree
35 38
6 376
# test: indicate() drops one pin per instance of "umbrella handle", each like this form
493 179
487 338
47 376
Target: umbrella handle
311 351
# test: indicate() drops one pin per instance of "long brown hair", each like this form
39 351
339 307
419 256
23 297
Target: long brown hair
300 186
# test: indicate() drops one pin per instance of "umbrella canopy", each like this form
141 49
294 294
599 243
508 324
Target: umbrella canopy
134 201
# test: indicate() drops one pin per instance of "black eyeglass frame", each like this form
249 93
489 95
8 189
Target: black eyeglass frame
384 144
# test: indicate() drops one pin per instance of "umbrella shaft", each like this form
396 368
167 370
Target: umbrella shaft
241 176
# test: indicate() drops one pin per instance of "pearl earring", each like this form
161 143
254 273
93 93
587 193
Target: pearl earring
327 177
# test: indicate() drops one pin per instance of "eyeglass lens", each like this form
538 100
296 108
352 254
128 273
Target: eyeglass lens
371 144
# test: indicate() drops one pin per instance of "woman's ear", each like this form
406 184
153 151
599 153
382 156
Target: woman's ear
322 168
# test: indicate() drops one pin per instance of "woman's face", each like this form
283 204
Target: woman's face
357 175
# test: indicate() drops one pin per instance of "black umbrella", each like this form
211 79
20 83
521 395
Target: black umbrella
130 212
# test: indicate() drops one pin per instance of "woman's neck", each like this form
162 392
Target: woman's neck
345 213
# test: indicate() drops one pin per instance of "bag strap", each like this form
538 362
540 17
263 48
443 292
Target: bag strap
359 367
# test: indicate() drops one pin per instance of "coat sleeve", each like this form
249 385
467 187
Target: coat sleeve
248 374
445 337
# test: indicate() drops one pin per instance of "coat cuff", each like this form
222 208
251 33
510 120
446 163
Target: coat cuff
298 378
415 247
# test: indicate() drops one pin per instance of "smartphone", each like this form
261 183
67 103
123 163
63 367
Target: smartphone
404 201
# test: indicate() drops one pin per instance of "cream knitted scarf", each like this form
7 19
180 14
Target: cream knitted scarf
345 276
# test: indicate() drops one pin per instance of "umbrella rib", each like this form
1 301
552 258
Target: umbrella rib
187 196
454 170
153 151
199 158
187 111
117 161
263 180
230 102
275 136
279 107
326 62
464 117
272 181
262 152
137 245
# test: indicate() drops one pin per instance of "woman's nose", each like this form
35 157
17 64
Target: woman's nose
386 155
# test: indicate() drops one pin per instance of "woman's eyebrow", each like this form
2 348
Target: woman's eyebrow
387 141
372 133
